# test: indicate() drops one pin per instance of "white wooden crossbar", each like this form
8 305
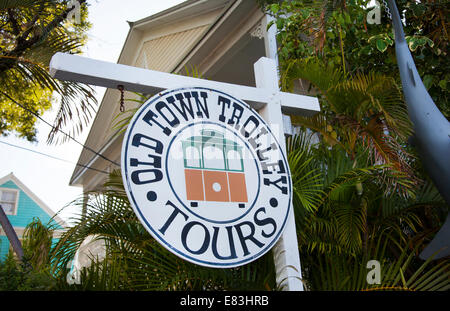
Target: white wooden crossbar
76 68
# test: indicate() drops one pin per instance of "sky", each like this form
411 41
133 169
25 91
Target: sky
47 177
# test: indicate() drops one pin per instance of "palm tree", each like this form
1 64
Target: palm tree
337 233
361 114
346 210
336 272
32 270
135 261
365 200
31 33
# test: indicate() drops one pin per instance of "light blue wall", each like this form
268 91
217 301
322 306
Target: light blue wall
27 209
4 247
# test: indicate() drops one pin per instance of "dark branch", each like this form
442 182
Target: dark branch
15 26
23 43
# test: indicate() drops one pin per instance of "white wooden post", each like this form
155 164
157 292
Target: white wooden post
285 252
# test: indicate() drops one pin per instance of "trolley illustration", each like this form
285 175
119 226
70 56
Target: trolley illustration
213 169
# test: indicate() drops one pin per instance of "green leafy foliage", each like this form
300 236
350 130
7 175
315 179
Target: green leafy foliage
343 216
31 33
369 186
356 198
135 261
33 271
338 34
37 244
361 114
355 217
20 276
359 192
402 274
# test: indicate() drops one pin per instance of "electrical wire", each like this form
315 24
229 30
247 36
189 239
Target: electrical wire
61 131
53 157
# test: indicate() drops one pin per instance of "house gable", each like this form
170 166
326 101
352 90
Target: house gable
28 205
216 38
159 42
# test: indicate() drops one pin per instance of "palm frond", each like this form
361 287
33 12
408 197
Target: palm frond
319 124
321 77
370 94
77 107
306 179
37 241
77 101
135 260
347 273
10 4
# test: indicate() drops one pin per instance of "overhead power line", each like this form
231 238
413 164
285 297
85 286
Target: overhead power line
59 130
53 157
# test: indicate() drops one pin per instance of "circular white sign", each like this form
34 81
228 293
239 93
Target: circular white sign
206 177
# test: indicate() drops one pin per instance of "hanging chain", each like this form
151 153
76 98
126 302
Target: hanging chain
386 8
122 101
